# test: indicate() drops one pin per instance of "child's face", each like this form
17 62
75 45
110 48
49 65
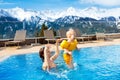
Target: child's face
70 35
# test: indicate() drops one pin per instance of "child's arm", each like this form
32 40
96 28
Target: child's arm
67 51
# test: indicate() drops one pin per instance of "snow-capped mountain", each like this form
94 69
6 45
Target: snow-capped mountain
21 14
12 20
67 19
4 13
72 19
50 15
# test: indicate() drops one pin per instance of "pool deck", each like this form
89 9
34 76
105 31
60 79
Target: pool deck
8 51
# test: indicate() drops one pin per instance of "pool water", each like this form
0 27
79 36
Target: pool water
96 63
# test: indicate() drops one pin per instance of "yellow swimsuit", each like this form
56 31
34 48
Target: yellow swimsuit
67 58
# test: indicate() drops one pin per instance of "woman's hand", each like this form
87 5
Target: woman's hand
48 67
58 40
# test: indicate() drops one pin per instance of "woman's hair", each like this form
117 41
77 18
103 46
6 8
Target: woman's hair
41 53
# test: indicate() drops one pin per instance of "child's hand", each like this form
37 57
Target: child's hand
70 52
67 51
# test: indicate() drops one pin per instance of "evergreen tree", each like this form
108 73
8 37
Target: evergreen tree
44 27
54 32
40 32
36 32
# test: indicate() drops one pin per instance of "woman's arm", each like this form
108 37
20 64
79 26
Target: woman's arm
56 50
46 57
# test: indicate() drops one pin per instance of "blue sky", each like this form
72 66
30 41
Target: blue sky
58 4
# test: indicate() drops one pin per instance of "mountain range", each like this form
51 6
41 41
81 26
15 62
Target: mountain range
92 12
63 18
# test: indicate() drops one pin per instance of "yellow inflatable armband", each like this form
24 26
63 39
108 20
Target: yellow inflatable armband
73 45
69 45
64 44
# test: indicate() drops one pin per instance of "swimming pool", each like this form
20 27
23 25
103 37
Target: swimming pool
96 63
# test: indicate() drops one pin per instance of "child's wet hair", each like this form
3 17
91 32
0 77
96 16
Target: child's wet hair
41 53
71 30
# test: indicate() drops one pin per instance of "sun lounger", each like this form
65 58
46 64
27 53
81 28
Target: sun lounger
62 33
20 36
100 36
48 34
79 36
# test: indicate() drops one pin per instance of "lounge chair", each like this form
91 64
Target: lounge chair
100 36
79 36
62 33
48 34
20 36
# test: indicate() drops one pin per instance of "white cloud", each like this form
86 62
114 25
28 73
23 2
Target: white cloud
102 2
3 3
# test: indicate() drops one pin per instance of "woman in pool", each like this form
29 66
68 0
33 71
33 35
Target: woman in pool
45 55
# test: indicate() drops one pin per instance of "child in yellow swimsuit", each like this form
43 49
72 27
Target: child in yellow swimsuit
69 45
